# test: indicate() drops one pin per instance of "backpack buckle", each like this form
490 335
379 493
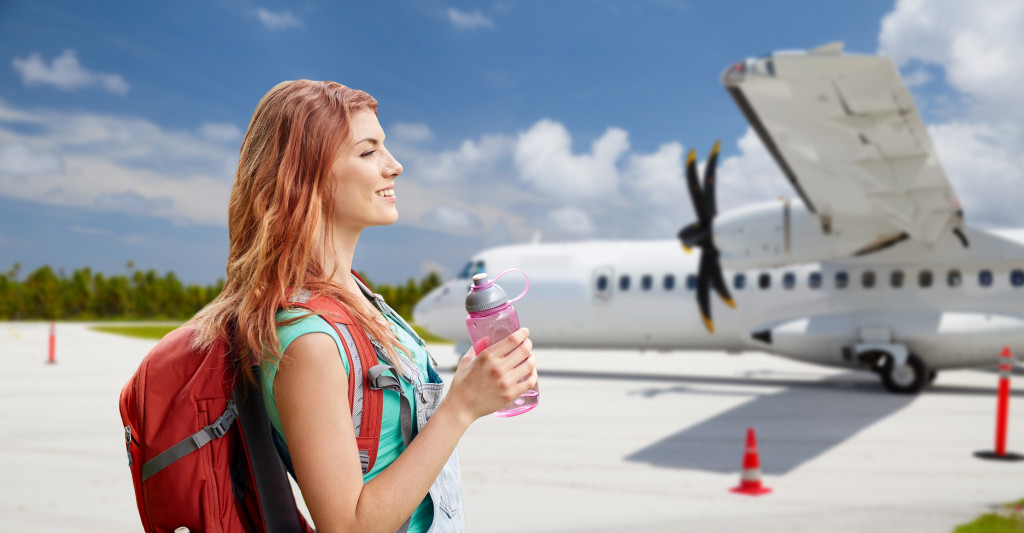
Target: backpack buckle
223 423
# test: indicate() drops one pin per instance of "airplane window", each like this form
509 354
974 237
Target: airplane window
623 283
789 280
1017 277
867 279
764 280
464 274
924 278
896 279
985 278
691 282
953 278
602 283
646 282
842 279
739 281
670 282
814 280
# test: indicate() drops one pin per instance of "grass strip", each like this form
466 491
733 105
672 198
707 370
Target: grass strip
148 331
1008 519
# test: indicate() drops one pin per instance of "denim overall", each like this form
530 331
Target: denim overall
445 491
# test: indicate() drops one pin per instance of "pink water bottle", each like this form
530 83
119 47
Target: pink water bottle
492 318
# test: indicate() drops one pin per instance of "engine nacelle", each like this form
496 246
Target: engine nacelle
942 339
771 234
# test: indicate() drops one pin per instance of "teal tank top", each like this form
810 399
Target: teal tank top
391 445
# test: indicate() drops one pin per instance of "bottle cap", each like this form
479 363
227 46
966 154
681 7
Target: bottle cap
484 294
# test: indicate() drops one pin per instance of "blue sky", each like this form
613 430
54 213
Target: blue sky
120 122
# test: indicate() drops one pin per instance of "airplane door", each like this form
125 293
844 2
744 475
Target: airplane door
601 284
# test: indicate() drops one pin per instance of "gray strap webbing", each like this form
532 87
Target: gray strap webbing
191 443
277 502
405 526
382 377
357 374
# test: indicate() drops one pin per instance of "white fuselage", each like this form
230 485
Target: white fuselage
645 302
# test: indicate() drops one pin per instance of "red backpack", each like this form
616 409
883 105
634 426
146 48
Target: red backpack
200 444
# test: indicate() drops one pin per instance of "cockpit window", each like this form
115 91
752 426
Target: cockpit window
471 269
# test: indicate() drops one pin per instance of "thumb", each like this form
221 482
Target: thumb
481 345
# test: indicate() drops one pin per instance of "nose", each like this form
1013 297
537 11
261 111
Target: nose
392 168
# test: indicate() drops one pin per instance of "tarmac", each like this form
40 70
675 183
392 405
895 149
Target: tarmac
621 441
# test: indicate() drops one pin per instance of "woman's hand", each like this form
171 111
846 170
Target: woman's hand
487 381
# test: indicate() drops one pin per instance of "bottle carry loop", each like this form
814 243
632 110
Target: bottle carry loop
506 271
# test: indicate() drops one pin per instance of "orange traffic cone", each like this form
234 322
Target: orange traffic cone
750 480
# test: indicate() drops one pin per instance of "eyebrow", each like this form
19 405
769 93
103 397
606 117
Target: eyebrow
370 140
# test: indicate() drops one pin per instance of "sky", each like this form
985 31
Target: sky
120 122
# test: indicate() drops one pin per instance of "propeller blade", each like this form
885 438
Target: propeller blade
702 289
718 280
694 235
963 238
693 183
710 204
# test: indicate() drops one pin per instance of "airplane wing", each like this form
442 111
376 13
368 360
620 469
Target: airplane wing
844 130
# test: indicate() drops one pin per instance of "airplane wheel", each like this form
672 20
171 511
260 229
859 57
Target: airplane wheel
906 379
932 374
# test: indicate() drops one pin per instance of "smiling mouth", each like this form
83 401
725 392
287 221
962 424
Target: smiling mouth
386 193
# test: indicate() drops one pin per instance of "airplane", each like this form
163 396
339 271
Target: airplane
871 267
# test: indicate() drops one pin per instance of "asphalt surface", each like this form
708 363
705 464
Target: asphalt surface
621 441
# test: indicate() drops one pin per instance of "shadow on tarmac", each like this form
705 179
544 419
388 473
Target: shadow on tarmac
793 426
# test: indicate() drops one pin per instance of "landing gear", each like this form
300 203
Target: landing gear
905 379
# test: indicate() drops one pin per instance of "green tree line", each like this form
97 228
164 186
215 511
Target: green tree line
46 294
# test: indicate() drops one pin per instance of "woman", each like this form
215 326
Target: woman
312 174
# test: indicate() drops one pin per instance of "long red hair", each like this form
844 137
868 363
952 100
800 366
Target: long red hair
281 202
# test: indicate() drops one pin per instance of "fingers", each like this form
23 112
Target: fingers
508 345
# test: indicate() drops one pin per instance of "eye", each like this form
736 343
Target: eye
367 153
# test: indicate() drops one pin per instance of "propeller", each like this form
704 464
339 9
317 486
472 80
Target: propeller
699 234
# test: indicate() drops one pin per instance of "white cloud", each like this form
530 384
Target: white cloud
544 158
452 218
279 20
20 159
472 20
110 163
985 165
572 220
473 159
220 132
916 78
66 73
657 178
410 132
750 176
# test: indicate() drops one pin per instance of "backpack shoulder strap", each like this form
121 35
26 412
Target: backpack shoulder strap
367 402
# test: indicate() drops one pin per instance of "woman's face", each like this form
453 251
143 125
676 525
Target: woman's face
363 175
